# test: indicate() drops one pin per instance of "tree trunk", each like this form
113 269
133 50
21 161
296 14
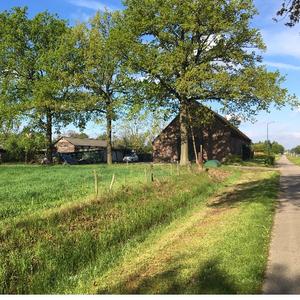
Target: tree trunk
183 116
49 136
109 136
26 156
193 137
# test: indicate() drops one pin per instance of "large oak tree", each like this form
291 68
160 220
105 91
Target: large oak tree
203 50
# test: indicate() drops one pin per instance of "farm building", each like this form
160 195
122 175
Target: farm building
71 145
218 137
88 150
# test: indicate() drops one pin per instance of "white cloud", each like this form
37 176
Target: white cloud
91 4
280 65
284 42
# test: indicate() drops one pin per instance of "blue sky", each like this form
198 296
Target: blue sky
283 53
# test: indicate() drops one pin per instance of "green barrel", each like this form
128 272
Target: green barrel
212 164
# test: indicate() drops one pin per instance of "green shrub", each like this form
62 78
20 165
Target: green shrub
233 159
270 160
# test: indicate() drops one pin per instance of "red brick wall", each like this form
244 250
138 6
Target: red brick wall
218 140
63 146
165 147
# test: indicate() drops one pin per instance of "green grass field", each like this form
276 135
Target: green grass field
29 189
187 233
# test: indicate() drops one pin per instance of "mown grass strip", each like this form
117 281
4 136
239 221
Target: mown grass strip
221 248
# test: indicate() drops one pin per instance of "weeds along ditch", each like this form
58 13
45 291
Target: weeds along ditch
26 189
53 250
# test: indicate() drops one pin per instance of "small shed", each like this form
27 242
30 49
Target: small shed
71 145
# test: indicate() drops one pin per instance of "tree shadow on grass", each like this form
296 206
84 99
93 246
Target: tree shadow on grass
259 191
263 192
208 279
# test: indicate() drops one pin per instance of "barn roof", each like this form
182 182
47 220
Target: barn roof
85 142
221 118
234 128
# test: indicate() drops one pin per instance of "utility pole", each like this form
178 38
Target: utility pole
268 123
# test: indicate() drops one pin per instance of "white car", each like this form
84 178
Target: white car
131 158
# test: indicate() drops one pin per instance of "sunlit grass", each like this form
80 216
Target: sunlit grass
187 233
294 159
27 189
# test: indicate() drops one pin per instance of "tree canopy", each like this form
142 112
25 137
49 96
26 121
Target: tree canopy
105 77
290 9
38 69
205 51
161 55
296 150
266 146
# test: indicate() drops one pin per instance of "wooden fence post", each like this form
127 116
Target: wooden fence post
112 182
96 183
171 169
151 173
190 167
201 156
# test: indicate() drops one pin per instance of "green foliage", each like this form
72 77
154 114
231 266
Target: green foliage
267 146
22 146
39 67
296 150
138 132
199 50
105 77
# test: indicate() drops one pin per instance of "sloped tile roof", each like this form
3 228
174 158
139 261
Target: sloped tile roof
85 142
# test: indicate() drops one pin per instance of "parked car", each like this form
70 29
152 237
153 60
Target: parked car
131 158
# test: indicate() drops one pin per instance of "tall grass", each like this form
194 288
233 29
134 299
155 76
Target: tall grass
53 252
27 189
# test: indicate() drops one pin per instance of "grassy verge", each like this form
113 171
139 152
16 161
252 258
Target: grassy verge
51 252
221 248
295 160
257 161
172 236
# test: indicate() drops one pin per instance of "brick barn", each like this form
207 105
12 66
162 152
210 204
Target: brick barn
91 150
218 137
